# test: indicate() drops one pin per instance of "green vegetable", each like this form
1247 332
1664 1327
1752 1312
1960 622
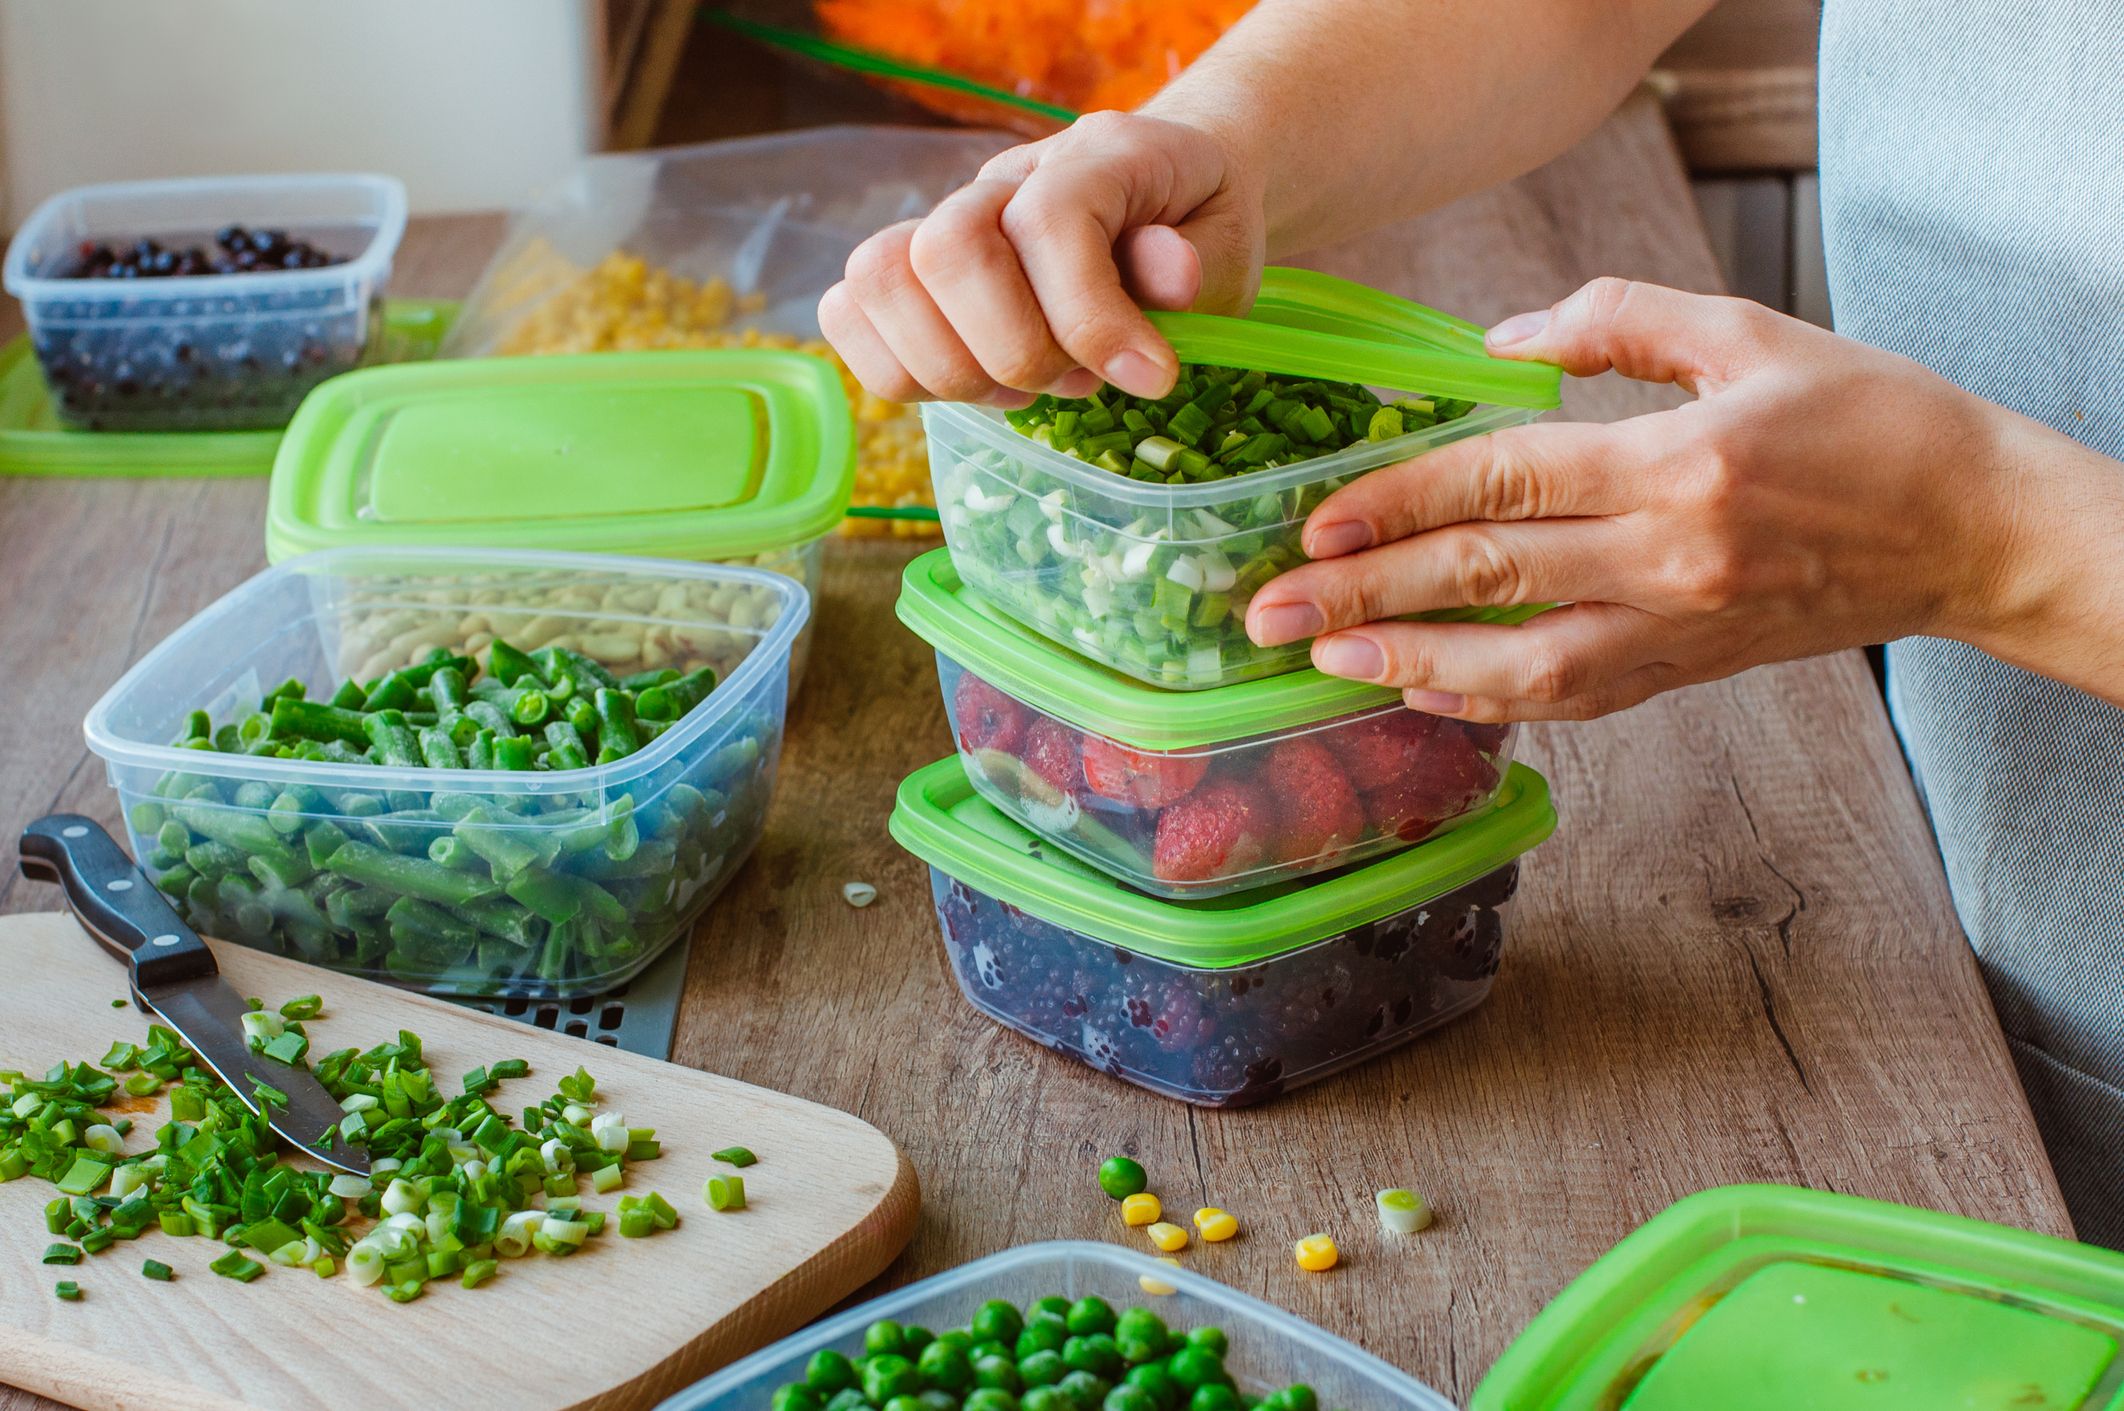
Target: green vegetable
67 1291
725 1192
735 1156
235 1265
1121 1177
158 1271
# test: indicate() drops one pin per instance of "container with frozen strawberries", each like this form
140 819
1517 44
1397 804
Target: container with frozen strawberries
1232 1000
1196 793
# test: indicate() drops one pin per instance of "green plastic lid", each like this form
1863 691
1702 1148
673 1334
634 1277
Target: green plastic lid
684 454
940 819
1764 1298
34 441
1316 325
966 627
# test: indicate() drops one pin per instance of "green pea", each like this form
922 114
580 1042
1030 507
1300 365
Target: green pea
1084 1390
1130 1398
997 1373
1054 1303
945 1366
884 1336
1043 1398
997 1321
1090 1315
1211 1338
937 1399
1121 1177
959 1338
1193 1366
991 1399
903 1403
1140 1329
1044 1332
1152 1378
982 1350
1298 1397
828 1372
850 1399
917 1337
1214 1397
1043 1368
795 1397
887 1375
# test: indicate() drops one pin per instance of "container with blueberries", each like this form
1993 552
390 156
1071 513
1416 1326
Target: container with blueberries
209 303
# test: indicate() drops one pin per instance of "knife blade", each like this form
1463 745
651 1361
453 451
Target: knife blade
174 976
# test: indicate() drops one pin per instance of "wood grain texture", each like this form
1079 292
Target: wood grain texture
830 1202
1736 959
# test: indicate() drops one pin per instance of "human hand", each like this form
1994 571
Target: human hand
1818 494
1034 277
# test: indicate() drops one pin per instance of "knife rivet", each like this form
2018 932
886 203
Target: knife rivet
119 884
164 940
73 831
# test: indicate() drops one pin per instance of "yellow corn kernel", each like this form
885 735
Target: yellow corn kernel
1168 1236
1152 1284
1142 1208
1316 1252
1216 1225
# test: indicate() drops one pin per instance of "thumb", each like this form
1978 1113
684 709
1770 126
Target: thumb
1643 331
1210 262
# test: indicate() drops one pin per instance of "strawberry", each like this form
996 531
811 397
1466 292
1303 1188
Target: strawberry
1223 828
988 719
1315 803
1488 738
1383 749
1451 778
1145 779
1051 752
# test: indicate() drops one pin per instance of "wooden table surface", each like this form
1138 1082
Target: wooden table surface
1736 960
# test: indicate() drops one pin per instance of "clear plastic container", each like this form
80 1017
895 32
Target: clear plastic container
222 351
1222 1003
555 884
1269 1348
1087 556
1194 793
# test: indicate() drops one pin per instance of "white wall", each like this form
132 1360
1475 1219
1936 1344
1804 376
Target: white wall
473 103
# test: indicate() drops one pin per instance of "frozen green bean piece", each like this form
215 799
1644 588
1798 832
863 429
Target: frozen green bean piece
438 750
309 720
408 876
669 702
617 736
509 666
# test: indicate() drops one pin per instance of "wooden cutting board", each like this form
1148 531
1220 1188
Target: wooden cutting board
621 1325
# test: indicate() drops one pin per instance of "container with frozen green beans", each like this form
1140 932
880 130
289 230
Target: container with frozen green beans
471 772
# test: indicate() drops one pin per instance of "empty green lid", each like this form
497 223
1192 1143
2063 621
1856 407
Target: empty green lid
1763 1298
706 454
940 819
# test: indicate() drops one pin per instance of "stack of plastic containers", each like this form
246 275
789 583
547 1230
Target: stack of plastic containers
1181 858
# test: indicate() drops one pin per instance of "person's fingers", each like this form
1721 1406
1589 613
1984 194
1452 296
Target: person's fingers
1524 472
1619 693
842 323
882 279
1461 565
972 273
1644 331
1570 651
1159 268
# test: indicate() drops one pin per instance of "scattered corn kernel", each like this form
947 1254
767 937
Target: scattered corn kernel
1168 1236
1403 1212
1317 1252
1151 1283
625 303
1216 1225
1142 1208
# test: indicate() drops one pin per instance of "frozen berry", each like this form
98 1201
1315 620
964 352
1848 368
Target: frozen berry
1221 829
1451 778
988 719
1384 748
1145 779
1489 738
1050 751
1316 807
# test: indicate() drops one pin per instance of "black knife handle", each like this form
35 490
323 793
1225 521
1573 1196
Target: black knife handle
114 900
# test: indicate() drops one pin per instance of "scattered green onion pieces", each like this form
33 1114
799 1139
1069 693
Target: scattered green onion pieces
160 1272
302 1007
725 1192
62 1254
67 1291
235 1265
735 1156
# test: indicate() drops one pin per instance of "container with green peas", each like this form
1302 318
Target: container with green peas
1062 1326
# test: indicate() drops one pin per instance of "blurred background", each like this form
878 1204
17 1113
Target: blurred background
477 104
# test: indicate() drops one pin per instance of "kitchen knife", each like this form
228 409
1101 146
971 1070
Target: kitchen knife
174 976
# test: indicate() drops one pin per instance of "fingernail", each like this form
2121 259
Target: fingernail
1434 702
1517 329
1077 382
1355 658
1331 540
1137 375
1285 622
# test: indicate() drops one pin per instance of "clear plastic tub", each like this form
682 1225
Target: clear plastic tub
1191 794
557 884
1269 1348
1087 556
1222 1003
219 351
